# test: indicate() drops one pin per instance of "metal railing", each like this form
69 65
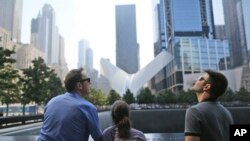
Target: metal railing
6 122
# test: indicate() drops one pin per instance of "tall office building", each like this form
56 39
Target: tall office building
11 17
82 45
44 34
192 18
220 32
85 55
62 61
235 32
34 32
26 54
5 39
245 28
186 30
127 48
89 58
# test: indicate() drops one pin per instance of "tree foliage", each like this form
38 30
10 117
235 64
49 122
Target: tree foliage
129 97
54 86
242 95
40 83
187 97
97 97
112 97
228 96
145 97
9 77
166 97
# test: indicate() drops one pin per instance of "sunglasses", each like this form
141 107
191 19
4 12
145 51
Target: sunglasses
201 78
87 79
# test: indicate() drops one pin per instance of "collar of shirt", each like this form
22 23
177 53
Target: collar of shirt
75 94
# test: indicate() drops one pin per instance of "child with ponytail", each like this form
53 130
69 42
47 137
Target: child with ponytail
122 129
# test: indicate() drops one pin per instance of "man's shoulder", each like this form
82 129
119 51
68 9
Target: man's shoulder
85 105
56 98
204 104
195 109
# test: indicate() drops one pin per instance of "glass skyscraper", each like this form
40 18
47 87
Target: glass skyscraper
82 51
246 22
127 48
200 54
46 35
189 36
237 24
11 17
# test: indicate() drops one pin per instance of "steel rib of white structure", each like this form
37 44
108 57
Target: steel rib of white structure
120 81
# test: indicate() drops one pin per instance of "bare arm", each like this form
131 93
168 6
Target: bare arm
192 138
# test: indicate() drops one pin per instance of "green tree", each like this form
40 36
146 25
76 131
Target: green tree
54 86
165 97
9 77
145 97
187 97
129 97
170 97
160 98
228 96
40 83
97 97
242 95
112 97
5 57
35 80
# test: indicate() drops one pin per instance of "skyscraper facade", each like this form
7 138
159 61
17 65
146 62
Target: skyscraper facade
235 30
45 35
5 41
11 17
127 48
193 18
220 32
246 26
89 58
26 54
85 55
34 32
82 45
189 37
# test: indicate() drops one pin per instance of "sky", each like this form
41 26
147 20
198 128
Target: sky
94 20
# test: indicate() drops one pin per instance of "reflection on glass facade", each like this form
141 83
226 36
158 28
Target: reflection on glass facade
193 55
234 18
200 54
189 31
186 15
189 18
246 9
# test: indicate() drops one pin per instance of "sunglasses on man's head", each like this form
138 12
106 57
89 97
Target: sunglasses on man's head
87 79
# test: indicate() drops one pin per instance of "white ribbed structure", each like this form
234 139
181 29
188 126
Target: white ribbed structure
120 81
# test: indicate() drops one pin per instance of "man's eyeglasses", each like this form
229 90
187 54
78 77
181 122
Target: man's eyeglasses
87 79
201 78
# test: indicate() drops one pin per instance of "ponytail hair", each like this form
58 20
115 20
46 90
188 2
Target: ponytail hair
120 116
